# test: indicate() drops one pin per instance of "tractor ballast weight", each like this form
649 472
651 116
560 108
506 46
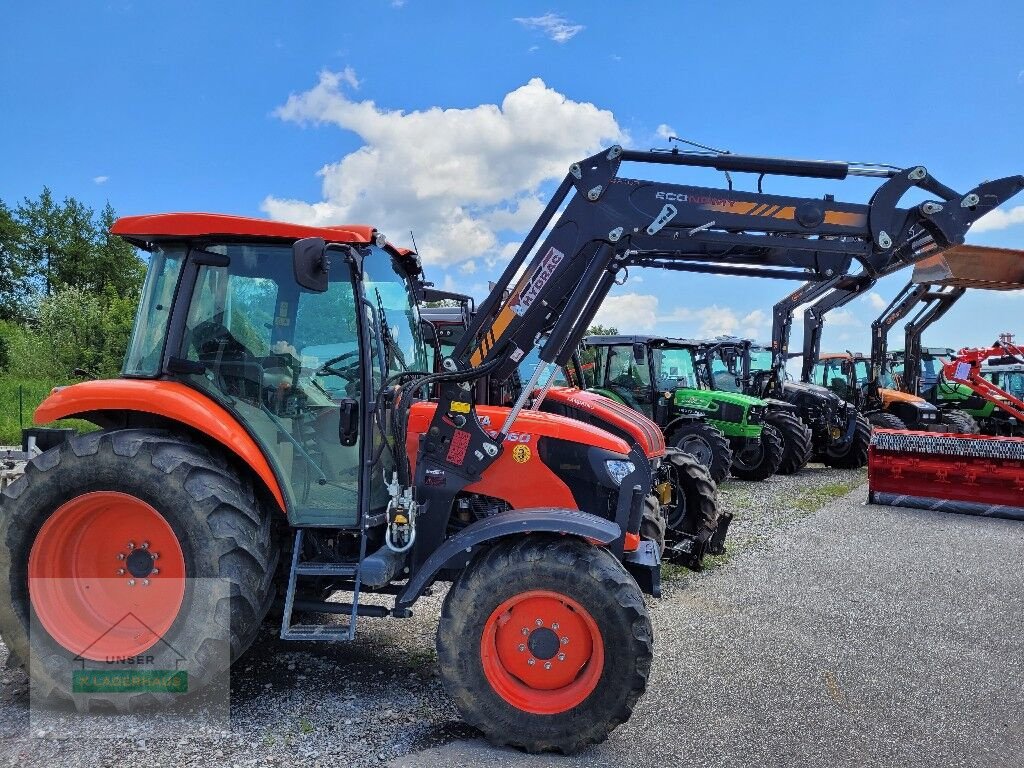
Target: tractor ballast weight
371 476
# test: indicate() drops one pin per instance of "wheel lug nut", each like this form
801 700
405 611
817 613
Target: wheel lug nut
526 631
120 555
555 626
145 545
565 641
154 555
561 657
120 571
131 545
131 582
155 571
547 665
145 582
522 647
531 662
539 622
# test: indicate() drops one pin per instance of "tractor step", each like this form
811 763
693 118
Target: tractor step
323 606
326 569
332 633
329 632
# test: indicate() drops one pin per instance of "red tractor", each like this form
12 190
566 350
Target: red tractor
965 368
276 429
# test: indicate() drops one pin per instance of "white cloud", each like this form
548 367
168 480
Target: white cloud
876 301
456 177
555 26
842 318
467 267
666 131
999 218
629 312
719 321
100 179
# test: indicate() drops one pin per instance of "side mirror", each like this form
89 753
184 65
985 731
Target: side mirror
309 260
639 354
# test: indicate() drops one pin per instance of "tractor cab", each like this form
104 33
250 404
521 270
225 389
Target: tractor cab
294 364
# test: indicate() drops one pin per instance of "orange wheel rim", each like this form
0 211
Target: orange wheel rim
106 575
542 652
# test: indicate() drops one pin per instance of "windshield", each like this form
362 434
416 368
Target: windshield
674 369
396 317
760 360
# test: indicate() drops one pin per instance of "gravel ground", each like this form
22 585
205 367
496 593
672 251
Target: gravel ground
768 651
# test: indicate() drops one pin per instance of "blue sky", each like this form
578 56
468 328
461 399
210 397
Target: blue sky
455 118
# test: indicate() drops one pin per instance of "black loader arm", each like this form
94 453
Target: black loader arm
598 224
932 302
937 301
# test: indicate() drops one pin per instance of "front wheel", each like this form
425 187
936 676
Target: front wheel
961 422
692 515
705 443
545 643
797 444
886 420
856 454
759 460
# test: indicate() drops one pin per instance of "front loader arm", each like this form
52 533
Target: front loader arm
965 369
937 301
551 290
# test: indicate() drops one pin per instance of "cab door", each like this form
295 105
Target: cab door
289 364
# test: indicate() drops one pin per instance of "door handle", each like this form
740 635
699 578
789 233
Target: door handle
348 422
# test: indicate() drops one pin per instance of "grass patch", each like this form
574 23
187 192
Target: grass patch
18 401
813 499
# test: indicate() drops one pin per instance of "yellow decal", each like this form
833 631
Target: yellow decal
521 453
460 407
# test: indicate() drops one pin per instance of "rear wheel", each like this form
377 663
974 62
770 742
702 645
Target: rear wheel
885 420
692 516
961 421
796 441
545 643
705 443
856 454
759 460
131 523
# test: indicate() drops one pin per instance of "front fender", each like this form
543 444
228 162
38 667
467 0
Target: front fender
105 402
517 523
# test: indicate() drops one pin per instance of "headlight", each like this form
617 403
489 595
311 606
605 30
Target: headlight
618 469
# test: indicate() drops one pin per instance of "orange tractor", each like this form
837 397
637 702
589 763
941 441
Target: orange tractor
276 429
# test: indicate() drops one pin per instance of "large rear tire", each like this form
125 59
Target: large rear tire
856 454
797 443
572 610
693 516
138 518
706 443
761 460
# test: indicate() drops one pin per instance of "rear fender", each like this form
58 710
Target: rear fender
111 402
456 551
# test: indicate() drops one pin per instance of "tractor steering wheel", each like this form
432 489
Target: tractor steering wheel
328 368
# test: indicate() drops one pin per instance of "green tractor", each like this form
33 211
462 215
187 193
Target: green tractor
668 381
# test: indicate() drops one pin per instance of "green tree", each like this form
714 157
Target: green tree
15 293
602 330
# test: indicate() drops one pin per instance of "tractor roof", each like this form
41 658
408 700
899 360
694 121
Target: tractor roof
843 356
168 226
